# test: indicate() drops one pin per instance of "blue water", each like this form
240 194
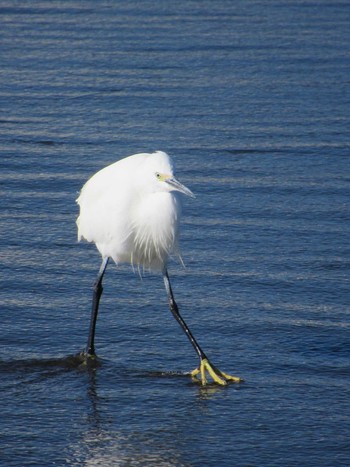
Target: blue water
251 99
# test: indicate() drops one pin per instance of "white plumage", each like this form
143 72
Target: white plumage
131 210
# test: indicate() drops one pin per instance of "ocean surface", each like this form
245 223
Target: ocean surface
252 100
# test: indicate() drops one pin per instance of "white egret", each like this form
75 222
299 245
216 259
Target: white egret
131 211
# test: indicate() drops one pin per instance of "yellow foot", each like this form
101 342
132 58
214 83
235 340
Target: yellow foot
87 360
218 376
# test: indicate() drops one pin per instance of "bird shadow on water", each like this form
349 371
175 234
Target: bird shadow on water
24 371
33 370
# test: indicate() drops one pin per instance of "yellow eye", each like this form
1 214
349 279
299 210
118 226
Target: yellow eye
158 175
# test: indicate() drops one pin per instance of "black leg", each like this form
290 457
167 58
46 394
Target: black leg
97 292
175 311
205 366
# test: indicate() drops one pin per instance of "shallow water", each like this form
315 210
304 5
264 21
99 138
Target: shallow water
252 101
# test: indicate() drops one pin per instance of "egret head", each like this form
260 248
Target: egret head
158 169
170 183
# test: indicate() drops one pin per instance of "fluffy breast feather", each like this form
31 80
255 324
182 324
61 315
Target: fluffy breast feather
155 225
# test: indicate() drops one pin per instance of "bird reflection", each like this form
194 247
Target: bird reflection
133 421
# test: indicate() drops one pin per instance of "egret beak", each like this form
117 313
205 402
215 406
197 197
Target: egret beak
177 186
